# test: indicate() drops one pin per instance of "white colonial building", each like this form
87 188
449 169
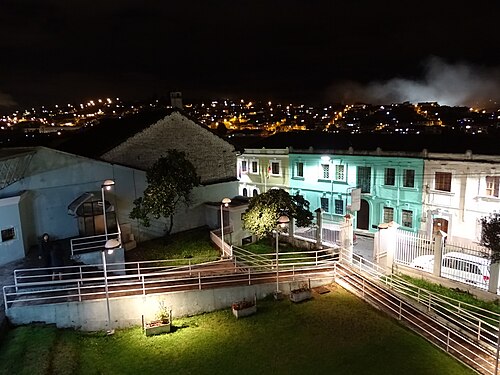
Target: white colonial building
459 190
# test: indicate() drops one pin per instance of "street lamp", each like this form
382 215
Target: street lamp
282 222
109 246
225 203
106 185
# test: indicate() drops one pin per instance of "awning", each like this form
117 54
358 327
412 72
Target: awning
86 197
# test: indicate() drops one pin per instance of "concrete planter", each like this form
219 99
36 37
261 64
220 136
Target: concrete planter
156 328
240 313
299 295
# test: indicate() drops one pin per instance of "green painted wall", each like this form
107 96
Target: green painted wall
326 180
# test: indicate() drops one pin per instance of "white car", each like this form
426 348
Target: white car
462 267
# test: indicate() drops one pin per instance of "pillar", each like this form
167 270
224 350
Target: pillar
438 252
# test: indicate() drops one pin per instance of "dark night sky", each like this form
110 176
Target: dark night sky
69 50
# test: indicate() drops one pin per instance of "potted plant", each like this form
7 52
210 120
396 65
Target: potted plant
300 294
162 322
244 308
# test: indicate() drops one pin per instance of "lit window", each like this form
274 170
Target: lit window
492 184
390 176
407 219
409 178
8 234
324 204
388 214
339 172
442 181
325 170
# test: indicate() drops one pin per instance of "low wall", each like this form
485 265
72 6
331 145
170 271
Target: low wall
128 311
412 272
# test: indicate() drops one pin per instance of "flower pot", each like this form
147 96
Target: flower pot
156 328
240 313
300 295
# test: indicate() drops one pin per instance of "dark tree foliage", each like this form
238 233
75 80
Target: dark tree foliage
264 210
491 235
170 181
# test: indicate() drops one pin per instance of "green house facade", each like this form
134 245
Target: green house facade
391 186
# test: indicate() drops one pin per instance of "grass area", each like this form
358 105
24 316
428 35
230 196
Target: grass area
268 246
457 294
194 244
334 333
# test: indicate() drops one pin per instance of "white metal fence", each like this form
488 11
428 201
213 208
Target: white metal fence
411 245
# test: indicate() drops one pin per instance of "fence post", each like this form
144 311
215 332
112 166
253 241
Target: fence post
438 253
319 230
346 238
494 277
199 280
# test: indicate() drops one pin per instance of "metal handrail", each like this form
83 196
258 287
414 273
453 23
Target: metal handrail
429 327
42 292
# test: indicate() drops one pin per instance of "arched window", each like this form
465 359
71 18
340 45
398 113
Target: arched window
245 192
255 193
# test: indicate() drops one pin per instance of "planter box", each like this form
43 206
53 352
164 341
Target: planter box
245 312
300 295
156 328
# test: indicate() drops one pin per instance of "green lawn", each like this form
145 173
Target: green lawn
194 244
457 294
335 333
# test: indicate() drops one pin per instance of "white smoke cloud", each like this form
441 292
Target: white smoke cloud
6 100
447 84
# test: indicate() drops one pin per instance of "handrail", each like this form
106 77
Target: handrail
429 327
77 288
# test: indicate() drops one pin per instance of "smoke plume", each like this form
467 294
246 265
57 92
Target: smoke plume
6 100
448 84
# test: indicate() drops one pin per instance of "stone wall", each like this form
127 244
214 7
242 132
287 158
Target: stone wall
213 157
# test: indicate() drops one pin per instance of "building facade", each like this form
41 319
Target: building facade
262 169
459 190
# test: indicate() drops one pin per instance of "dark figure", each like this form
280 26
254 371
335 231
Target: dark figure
49 255
45 251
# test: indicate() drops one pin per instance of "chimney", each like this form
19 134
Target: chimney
176 99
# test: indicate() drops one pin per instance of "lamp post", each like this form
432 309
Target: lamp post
225 203
108 246
282 222
106 185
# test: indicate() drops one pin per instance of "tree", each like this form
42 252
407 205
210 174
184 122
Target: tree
264 210
490 236
170 181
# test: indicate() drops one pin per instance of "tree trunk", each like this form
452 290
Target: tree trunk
168 229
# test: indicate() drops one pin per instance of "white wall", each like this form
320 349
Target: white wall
54 179
466 203
10 218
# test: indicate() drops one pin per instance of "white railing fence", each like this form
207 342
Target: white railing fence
411 245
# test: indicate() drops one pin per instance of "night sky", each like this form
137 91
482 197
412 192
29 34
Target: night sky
57 51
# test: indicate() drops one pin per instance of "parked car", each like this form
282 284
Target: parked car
462 267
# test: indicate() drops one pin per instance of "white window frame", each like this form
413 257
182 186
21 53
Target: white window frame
490 192
271 168
296 169
343 172
250 169
244 161
383 212
412 218
322 171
